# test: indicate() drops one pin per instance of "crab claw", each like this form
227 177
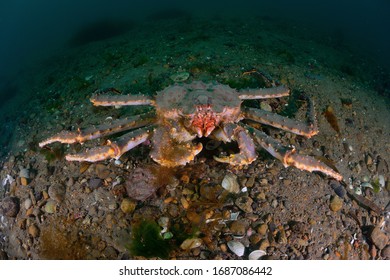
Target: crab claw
247 153
235 159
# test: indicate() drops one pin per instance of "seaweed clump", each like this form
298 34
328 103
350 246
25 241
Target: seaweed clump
147 241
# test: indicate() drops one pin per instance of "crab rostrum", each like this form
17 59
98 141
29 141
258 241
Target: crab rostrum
184 112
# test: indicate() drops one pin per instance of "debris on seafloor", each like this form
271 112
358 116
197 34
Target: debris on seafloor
331 118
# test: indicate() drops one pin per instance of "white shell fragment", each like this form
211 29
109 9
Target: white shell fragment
257 254
230 183
381 179
236 247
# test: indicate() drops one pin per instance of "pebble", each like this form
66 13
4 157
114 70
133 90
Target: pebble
274 203
262 229
180 77
33 230
102 171
255 238
50 206
95 183
379 238
57 192
112 206
336 203
245 204
27 203
250 182
264 244
265 106
10 206
191 243
386 253
24 181
128 205
238 228
24 173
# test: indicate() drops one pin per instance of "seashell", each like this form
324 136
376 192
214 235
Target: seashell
358 191
8 180
257 254
381 179
366 185
230 183
236 247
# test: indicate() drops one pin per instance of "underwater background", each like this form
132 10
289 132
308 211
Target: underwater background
55 54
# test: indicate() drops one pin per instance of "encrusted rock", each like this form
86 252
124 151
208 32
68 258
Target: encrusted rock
10 206
57 192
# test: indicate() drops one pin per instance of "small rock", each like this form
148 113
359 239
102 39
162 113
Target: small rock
102 171
238 228
50 206
180 77
57 192
336 203
386 253
24 181
274 203
95 183
112 206
250 182
24 173
33 230
27 203
10 206
265 106
236 247
191 243
262 229
264 244
244 203
255 238
128 205
379 238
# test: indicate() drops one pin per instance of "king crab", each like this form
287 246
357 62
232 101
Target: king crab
184 112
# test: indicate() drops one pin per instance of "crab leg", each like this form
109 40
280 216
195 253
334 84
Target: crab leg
308 129
115 148
247 148
82 135
263 93
289 156
121 100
